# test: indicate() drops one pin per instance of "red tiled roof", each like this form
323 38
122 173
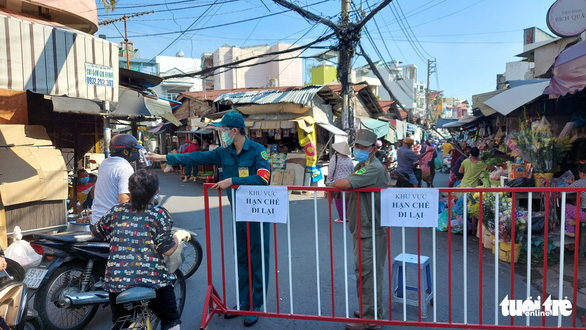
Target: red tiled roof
387 107
338 87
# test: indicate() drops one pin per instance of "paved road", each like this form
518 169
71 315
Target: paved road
186 204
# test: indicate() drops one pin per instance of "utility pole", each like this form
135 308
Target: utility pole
124 18
431 68
344 67
348 35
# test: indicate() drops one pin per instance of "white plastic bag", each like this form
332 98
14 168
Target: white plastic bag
175 260
22 252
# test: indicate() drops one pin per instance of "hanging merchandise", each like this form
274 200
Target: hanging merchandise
258 133
271 133
277 134
286 133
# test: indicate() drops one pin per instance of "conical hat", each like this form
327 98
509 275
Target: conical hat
342 147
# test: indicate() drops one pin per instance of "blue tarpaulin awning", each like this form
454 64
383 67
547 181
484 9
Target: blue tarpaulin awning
379 127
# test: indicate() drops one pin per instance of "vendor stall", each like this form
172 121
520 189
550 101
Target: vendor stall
296 125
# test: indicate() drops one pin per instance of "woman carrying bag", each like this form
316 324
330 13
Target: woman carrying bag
340 167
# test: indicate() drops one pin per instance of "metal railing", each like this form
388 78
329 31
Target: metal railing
468 316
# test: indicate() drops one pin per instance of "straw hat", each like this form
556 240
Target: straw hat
342 147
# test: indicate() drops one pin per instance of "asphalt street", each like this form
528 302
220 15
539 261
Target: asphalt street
185 202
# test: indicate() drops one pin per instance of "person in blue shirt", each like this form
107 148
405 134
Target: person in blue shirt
244 162
405 160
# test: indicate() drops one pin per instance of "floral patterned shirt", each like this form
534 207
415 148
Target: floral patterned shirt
581 183
137 243
339 168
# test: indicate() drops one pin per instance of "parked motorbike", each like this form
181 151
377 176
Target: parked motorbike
13 300
68 287
401 180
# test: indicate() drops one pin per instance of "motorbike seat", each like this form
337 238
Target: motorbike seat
70 237
135 294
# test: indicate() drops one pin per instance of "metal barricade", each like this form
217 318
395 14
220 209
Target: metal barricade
461 275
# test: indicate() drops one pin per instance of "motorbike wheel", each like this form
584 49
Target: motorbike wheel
192 256
180 296
53 317
32 324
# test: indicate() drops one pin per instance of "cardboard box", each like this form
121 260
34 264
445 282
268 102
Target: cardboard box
288 177
277 178
31 170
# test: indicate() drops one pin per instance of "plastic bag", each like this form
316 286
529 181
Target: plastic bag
22 252
496 174
442 221
168 169
438 163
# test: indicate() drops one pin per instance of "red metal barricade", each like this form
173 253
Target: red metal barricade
455 277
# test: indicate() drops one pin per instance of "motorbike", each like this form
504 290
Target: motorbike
14 309
67 284
401 180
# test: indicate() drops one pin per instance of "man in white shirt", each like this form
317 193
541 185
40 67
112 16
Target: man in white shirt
112 184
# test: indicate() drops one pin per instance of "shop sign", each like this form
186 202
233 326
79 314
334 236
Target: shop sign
262 204
567 18
409 207
99 75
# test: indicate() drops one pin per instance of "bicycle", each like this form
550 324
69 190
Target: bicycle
137 299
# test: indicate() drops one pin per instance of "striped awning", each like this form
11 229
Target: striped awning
48 58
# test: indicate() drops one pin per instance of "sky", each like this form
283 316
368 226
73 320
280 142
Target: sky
470 40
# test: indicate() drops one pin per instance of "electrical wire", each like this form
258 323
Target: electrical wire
218 25
172 9
232 64
406 34
184 31
369 37
411 30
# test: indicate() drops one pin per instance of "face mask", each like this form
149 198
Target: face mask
361 155
133 156
85 180
227 139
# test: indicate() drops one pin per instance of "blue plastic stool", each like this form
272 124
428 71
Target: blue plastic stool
426 284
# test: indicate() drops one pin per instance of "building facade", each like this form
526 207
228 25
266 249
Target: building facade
265 71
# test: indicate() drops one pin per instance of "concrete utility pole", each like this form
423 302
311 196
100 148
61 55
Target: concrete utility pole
431 68
124 18
344 67
348 35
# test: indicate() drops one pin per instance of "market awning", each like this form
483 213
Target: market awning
332 129
379 127
511 99
65 104
49 58
462 122
132 104
441 122
161 108
569 72
479 99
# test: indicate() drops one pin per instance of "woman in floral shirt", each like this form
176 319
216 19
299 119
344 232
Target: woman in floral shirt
140 235
571 210
340 167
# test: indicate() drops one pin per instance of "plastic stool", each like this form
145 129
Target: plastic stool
397 277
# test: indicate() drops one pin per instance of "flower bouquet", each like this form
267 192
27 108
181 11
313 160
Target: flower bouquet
535 143
505 213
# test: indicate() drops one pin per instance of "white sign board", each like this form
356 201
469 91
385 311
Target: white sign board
409 207
99 75
567 18
262 204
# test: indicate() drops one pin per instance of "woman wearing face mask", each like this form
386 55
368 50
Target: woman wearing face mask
340 167
85 190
